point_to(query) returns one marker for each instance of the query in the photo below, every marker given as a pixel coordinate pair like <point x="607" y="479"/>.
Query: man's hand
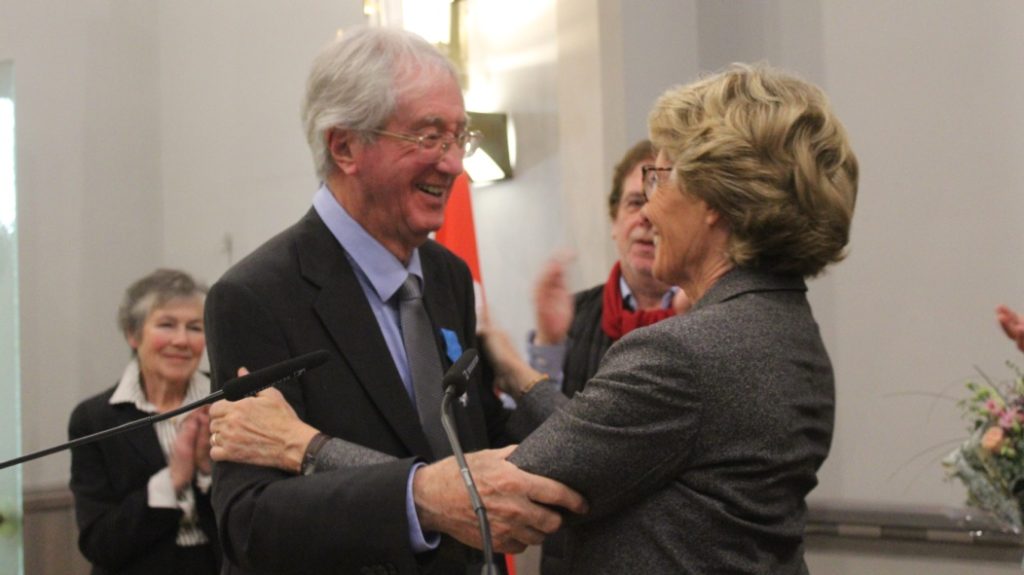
<point x="552" y="302"/>
<point x="516" y="501"/>
<point x="260" y="430"/>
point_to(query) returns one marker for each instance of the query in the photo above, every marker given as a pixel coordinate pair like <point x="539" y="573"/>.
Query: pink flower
<point x="993" y="439"/>
<point x="993" y="407"/>
<point x="1008" y="418"/>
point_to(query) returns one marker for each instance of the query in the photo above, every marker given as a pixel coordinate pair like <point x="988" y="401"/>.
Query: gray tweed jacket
<point x="698" y="439"/>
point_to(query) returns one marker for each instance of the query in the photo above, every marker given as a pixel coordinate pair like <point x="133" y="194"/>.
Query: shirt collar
<point x="384" y="271"/>
<point x="129" y="389"/>
<point x="630" y="302"/>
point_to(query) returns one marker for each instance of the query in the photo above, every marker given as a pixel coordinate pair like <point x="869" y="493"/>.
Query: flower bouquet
<point x="990" y="462"/>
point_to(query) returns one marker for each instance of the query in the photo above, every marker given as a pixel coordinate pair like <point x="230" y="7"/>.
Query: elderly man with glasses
<point x="358" y="276"/>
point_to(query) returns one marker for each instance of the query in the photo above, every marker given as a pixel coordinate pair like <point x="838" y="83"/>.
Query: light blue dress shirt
<point x="380" y="274"/>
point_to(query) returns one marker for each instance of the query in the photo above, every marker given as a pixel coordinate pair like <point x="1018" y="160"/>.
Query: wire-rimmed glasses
<point x="440" y="143"/>
<point x="652" y="178"/>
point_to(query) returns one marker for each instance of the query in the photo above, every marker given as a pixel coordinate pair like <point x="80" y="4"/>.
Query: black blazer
<point x="295" y="294"/>
<point x="118" y="531"/>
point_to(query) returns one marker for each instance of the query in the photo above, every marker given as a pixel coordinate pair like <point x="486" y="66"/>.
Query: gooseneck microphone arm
<point x="456" y="380"/>
<point x="233" y="390"/>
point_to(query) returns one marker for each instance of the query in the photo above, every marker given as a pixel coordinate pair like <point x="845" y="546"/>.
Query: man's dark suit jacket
<point x="118" y="531"/>
<point x="587" y="340"/>
<point x="698" y="439"/>
<point x="298" y="293"/>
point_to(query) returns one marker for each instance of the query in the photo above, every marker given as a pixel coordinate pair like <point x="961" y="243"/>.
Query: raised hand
<point x="552" y="301"/>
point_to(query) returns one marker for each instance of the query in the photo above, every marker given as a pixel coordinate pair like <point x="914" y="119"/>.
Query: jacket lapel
<point x="341" y="305"/>
<point x="142" y="440"/>
<point x="440" y="305"/>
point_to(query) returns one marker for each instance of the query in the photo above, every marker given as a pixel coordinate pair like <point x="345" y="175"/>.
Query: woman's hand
<point x="182" y="457"/>
<point x="512" y="374"/>
<point x="259" y="430"/>
<point x="681" y="302"/>
<point x="201" y="456"/>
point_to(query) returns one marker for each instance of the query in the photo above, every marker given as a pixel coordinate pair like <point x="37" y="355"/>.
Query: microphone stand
<point x="447" y="421"/>
<point x="142" y="422"/>
<point x="233" y="390"/>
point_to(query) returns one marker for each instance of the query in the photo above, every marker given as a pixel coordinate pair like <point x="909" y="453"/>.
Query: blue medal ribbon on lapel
<point x="452" y="347"/>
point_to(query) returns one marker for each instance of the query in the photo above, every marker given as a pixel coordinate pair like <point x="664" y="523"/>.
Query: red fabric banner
<point x="459" y="235"/>
<point x="459" y="232"/>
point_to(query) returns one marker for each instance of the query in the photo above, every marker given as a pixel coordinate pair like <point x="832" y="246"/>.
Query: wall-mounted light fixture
<point x="496" y="157"/>
<point x="442" y="22"/>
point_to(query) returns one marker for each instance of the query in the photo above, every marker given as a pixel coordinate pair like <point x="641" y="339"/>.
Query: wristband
<point x="533" y="382"/>
<point x="308" y="466"/>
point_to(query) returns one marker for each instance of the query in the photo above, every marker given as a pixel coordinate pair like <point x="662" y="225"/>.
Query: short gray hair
<point x="151" y="292"/>
<point x="356" y="80"/>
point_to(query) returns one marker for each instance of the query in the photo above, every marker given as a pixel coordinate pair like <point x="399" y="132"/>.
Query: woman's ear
<point x="343" y="146"/>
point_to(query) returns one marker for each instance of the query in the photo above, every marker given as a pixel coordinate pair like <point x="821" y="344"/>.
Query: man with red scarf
<point x="574" y="331"/>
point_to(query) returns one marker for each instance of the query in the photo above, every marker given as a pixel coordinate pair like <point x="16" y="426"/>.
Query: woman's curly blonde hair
<point x="763" y="149"/>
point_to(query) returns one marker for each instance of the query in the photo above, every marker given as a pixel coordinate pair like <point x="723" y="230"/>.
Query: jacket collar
<point x="740" y="280"/>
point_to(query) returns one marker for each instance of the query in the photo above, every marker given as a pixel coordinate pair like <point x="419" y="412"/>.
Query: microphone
<point x="233" y="390"/>
<point x="456" y="379"/>
<point x="455" y="382"/>
<point x="261" y="379"/>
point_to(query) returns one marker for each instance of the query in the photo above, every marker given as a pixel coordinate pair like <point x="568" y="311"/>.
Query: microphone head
<point x="456" y="379"/>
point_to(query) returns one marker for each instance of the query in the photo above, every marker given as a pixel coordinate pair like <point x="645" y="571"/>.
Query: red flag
<point x="459" y="235"/>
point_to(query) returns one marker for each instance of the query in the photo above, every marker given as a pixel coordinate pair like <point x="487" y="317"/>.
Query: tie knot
<point x="410" y="289"/>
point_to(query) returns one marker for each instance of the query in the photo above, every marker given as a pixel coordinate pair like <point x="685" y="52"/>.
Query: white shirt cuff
<point x="160" y="490"/>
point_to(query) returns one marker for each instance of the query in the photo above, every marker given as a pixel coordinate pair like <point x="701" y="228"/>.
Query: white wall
<point x="927" y="93"/>
<point x="514" y="61"/>
<point x="235" y="164"/>
<point x="89" y="205"/>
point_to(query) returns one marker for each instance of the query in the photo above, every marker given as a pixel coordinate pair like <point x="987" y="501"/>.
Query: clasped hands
<point x="521" y="507"/>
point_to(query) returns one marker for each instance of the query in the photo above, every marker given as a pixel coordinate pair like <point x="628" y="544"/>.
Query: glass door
<point x="10" y="385"/>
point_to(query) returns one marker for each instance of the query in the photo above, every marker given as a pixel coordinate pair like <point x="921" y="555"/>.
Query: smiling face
<point x="404" y="189"/>
<point x="689" y="236"/>
<point x="171" y="341"/>
<point x="631" y="230"/>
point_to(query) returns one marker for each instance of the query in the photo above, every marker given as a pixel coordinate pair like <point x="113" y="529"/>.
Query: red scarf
<point x="616" y="320"/>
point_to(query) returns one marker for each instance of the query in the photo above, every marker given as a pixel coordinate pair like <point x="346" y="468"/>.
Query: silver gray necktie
<point x="424" y="363"/>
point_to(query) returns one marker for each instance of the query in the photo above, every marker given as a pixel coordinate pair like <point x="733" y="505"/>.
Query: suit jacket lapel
<point x="444" y="313"/>
<point x="341" y="305"/>
<point x="437" y="299"/>
<point x="142" y="440"/>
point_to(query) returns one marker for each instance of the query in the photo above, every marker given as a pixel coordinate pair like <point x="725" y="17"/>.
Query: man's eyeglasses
<point x="652" y="177"/>
<point x="467" y="142"/>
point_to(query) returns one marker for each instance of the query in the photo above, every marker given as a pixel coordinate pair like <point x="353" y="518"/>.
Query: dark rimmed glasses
<point x="437" y="143"/>
<point x="652" y="178"/>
